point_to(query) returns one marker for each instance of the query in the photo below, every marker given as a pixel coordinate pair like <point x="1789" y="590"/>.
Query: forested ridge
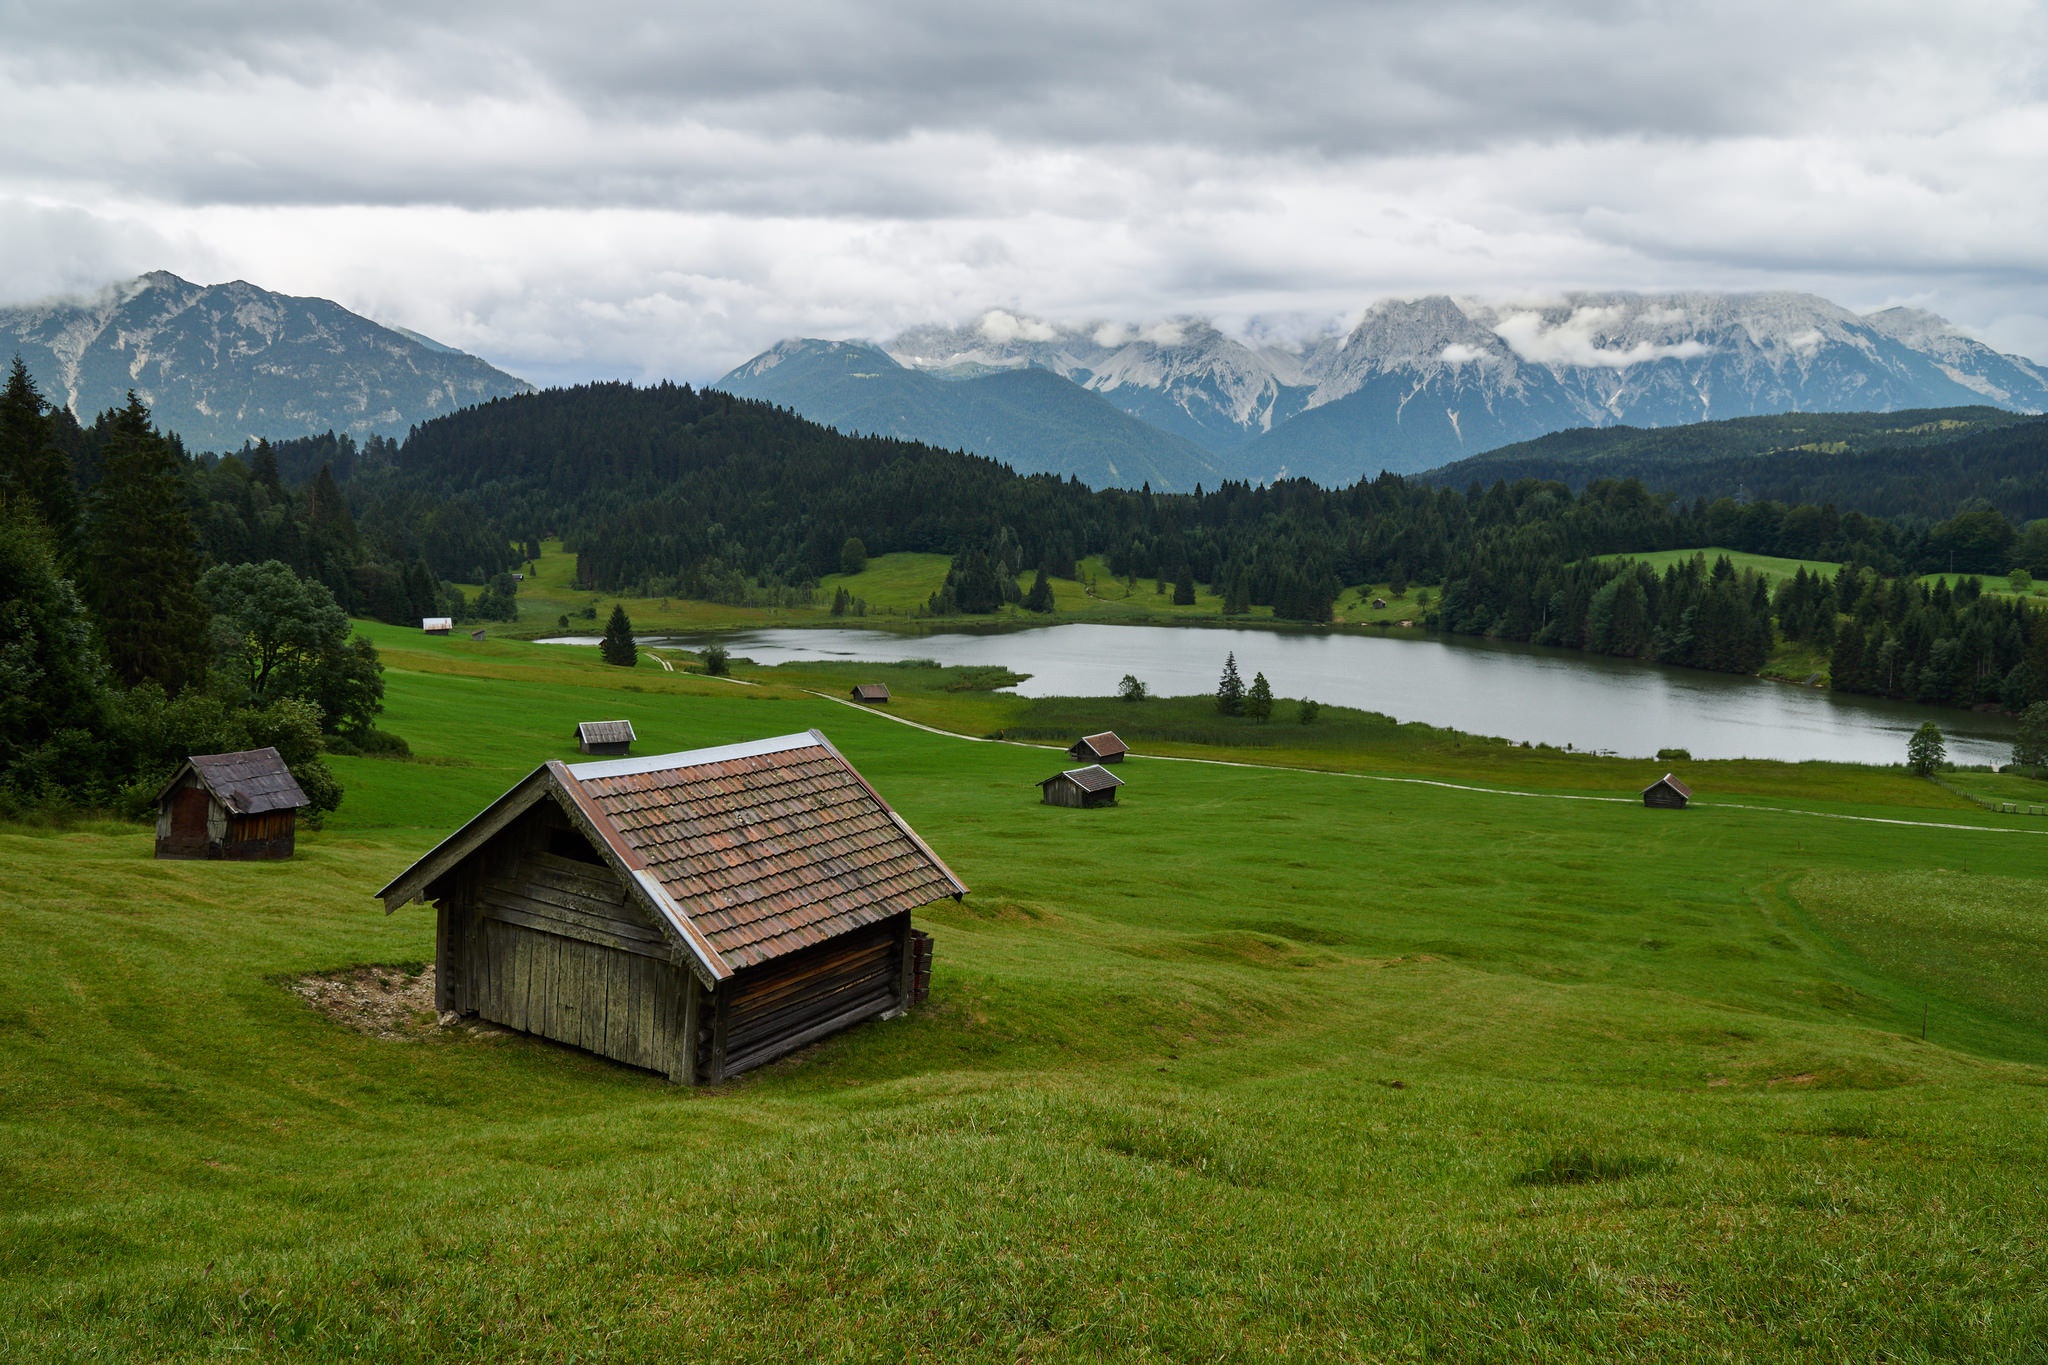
<point x="1921" y="466"/>
<point x="118" y="538"/>
<point x="669" y="491"/>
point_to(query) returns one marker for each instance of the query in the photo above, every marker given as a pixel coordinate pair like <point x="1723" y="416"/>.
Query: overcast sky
<point x="599" y="189"/>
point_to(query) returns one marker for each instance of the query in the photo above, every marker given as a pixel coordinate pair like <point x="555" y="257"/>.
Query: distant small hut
<point x="612" y="738"/>
<point x="1081" y="787"/>
<point x="240" y="806"/>
<point x="1667" y="793"/>
<point x="697" y="914"/>
<point x="1102" y="748"/>
<point x="1379" y="604"/>
<point x="874" y="694"/>
<point x="437" y="625"/>
<point x="476" y="635"/>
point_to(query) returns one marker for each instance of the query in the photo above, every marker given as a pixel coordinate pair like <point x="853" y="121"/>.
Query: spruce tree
<point x="1039" y="599"/>
<point x="618" y="647"/>
<point x="1184" y="588"/>
<point x="55" y="705"/>
<point x="32" y="465"/>
<point x="143" y="567"/>
<point x="1230" y="689"/>
<point x="1258" y="699"/>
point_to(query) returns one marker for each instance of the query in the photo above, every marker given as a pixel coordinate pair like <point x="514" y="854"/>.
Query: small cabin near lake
<point x="696" y="914"/>
<point x="1667" y="793"/>
<point x="1102" y="748"/>
<point x="1081" y="787"/>
<point x="437" y="625"/>
<point x="241" y="806"/>
<point x="612" y="738"/>
<point x="875" y="694"/>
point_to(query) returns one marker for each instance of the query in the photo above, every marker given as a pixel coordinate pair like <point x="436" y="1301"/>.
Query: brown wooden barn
<point x="697" y="914"/>
<point x="241" y="806"/>
<point x="873" y="693"/>
<point x="437" y="625"/>
<point x="1102" y="748"/>
<point x="1667" y="793"/>
<point x="612" y="738"/>
<point x="1084" y="787"/>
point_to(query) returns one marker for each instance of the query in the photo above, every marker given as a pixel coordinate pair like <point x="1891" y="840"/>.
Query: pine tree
<point x="1230" y="689"/>
<point x="1184" y="588"/>
<point x="144" y="570"/>
<point x="1258" y="699"/>
<point x="1040" y="597"/>
<point x="618" y="647"/>
<point x="54" y="709"/>
<point x="32" y="465"/>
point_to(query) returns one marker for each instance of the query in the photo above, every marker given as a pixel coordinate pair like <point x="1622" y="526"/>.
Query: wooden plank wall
<point x="551" y="945"/>
<point x="782" y="1005"/>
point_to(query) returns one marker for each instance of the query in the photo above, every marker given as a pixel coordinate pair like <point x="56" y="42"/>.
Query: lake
<point x="1519" y="692"/>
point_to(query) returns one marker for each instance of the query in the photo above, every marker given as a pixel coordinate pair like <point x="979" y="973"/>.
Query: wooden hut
<point x="1667" y="793"/>
<point x="875" y="694"/>
<point x="241" y="806"/>
<point x="612" y="738"/>
<point x="697" y="914"/>
<point x="1102" y="748"/>
<point x="1085" y="787"/>
<point x="476" y="635"/>
<point x="437" y="625"/>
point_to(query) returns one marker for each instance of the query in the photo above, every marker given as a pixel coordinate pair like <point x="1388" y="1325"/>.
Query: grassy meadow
<point x="1772" y="567"/>
<point x="894" y="589"/>
<point x="1423" y="1056"/>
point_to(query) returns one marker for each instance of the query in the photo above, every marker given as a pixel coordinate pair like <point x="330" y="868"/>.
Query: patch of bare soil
<point x="384" y="1002"/>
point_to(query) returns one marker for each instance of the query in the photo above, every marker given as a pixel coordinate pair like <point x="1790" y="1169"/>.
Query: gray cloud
<point x="612" y="188"/>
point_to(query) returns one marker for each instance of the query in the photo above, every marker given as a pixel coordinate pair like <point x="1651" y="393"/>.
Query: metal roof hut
<point x="1667" y="793"/>
<point x="1081" y="787"/>
<point x="696" y="914"/>
<point x="241" y="806"/>
<point x="613" y="738"/>
<point x="1102" y="748"/>
<point x="876" y="693"/>
<point x="437" y="625"/>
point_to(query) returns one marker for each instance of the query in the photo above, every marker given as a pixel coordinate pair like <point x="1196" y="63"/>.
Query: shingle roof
<point x="605" y="731"/>
<point x="249" y="782"/>
<point x="747" y="851"/>
<point x="1093" y="778"/>
<point x="871" y="691"/>
<point x="1105" y="744"/>
<point x="1669" y="781"/>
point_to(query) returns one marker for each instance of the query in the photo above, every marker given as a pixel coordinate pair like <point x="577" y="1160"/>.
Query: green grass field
<point x="1423" y="1057"/>
<point x="894" y="587"/>
<point x="1770" y="566"/>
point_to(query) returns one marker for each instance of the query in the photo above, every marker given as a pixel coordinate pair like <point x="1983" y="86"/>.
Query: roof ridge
<point x="690" y="758"/>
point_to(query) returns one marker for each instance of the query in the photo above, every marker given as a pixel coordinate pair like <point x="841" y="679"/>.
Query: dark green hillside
<point x="1923" y="464"/>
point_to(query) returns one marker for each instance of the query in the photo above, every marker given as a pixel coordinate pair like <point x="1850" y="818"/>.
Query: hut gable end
<point x="1667" y="793"/>
<point x="241" y="806"/>
<point x="1102" y="748"/>
<point x="771" y="869"/>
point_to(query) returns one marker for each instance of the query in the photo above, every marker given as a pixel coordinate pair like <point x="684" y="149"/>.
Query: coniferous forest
<point x="117" y="540"/>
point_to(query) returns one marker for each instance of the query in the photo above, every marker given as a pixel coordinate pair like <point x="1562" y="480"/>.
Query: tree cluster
<point x="123" y="647"/>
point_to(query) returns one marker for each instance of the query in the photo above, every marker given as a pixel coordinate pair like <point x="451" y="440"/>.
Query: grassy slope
<point x="895" y="588"/>
<point x="1772" y="567"/>
<point x="1260" y="1065"/>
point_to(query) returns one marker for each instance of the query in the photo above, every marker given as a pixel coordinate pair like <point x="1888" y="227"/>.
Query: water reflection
<point x="1517" y="691"/>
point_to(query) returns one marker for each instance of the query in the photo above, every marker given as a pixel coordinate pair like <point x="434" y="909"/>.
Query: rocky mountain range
<point x="1418" y="383"/>
<point x="228" y="363"/>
